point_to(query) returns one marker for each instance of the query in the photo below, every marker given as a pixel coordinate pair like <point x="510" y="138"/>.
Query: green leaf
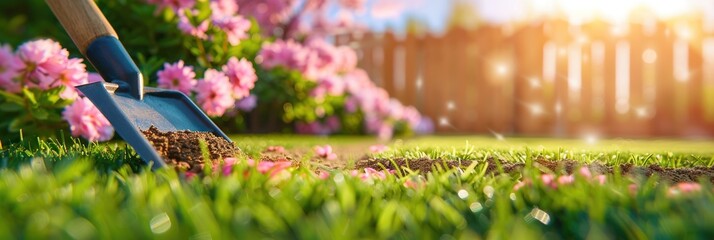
<point x="12" y="97"/>
<point x="10" y="107"/>
<point x="29" y="95"/>
<point x="40" y="113"/>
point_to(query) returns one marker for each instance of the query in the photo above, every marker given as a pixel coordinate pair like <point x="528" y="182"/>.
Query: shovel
<point x="123" y="99"/>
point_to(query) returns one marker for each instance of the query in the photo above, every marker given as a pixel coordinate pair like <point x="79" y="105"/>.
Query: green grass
<point x="51" y="189"/>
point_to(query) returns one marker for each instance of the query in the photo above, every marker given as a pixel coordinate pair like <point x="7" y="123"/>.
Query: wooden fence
<point x="551" y="79"/>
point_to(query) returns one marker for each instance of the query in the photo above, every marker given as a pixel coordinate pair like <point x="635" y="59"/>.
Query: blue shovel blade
<point x="167" y="110"/>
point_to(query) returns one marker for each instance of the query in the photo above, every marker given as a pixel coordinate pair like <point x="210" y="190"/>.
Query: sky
<point x="435" y="13"/>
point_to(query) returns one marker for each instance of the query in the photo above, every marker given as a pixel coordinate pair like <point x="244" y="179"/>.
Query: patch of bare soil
<point x="494" y="166"/>
<point x="182" y="149"/>
<point x="347" y="156"/>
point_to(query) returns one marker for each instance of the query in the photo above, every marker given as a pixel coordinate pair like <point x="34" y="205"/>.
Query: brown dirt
<point x="424" y="165"/>
<point x="182" y="149"/>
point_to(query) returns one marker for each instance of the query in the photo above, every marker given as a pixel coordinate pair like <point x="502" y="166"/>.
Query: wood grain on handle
<point x="82" y="20"/>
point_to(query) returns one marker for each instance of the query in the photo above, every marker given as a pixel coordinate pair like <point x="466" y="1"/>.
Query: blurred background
<point x="591" y="69"/>
<point x="565" y="68"/>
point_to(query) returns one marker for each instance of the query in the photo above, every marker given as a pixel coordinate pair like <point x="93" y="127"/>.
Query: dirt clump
<point x="182" y="149"/>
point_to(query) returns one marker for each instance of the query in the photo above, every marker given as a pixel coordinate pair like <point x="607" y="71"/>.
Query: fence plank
<point x="485" y="79"/>
<point x="387" y="64"/>
<point x="412" y="63"/>
<point x="530" y="110"/>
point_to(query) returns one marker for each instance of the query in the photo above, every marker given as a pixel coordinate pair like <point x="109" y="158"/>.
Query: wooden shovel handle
<point x="82" y="20"/>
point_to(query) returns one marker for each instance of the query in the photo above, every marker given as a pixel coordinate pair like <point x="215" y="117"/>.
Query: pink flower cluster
<point x="177" y="76"/>
<point x="43" y="64"/>
<point x="684" y="188"/>
<point x="270" y="14"/>
<point x="224" y="19"/>
<point x="378" y="148"/>
<point x="371" y="174"/>
<point x="217" y="91"/>
<point x="85" y="120"/>
<point x="315" y="59"/>
<point x="554" y="181"/>
<point x="379" y="110"/>
<point x="336" y="74"/>
<point x="325" y="152"/>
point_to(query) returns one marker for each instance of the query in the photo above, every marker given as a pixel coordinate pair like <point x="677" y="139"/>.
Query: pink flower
<point x="213" y="93"/>
<point x="385" y="132"/>
<point x="94" y="77"/>
<point x="396" y="109"/>
<point x="684" y="188"/>
<point x="411" y="116"/>
<point x="414" y="184"/>
<point x="288" y="54"/>
<point x="323" y="175"/>
<point x="548" y="180"/>
<point x="223" y="8"/>
<point x="10" y="66"/>
<point x="235" y="27"/>
<point x="372" y="123"/>
<point x="85" y="120"/>
<point x="351" y="104"/>
<point x="322" y="59"/>
<point x="42" y="52"/>
<point x="371" y="173"/>
<point x="332" y="85"/>
<point x="248" y="103"/>
<point x="176" y="5"/>
<point x="273" y="168"/>
<point x="72" y="75"/>
<point x="585" y="172"/>
<point x="241" y="75"/>
<point x="521" y="184"/>
<point x="176" y="76"/>
<point x="632" y="188"/>
<point x="277" y="149"/>
<point x="44" y="61"/>
<point x="268" y="167"/>
<point x="325" y="152"/>
<point x="190" y="175"/>
<point x="566" y="179"/>
<point x="196" y="30"/>
<point x="228" y="164"/>
<point x="268" y="13"/>
<point x="374" y="101"/>
<point x="357" y="81"/>
<point x="378" y="148"/>
<point x="601" y="179"/>
<point x="352" y="4"/>
<point x="347" y="61"/>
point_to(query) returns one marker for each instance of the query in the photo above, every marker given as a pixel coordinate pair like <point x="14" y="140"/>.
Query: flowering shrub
<point x="313" y="86"/>
<point x="250" y="65"/>
<point x="37" y="87"/>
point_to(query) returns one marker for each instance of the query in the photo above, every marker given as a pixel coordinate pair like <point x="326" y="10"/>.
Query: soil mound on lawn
<point x="495" y="166"/>
<point x="182" y="149"/>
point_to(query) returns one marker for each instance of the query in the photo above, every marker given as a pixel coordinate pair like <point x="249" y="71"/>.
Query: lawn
<point x="55" y="189"/>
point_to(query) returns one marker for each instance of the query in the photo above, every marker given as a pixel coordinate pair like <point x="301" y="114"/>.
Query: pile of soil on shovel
<point x="495" y="166"/>
<point x="182" y="149"/>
